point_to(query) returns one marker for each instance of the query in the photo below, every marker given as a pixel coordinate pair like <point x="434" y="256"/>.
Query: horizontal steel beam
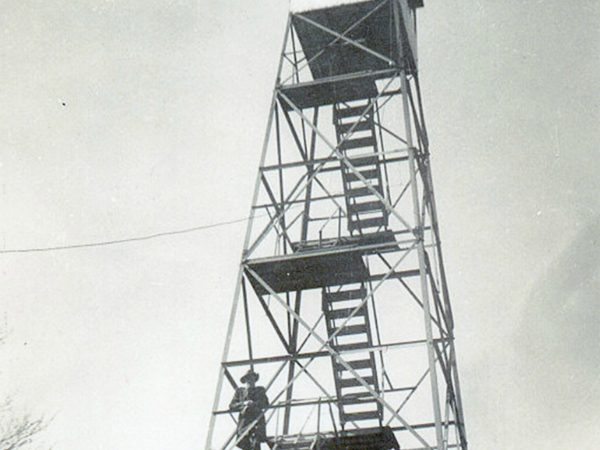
<point x="308" y="355"/>
<point x="378" y="74"/>
<point x="351" y="248"/>
<point x="334" y="159"/>
<point x="312" y="402"/>
<point x="419" y="426"/>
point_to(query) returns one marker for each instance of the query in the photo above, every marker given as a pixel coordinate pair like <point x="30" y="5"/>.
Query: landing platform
<point x="331" y="90"/>
<point x="318" y="264"/>
<point x="366" y="439"/>
<point x="301" y="271"/>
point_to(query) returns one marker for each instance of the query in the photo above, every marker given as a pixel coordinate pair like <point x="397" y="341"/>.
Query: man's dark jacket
<point x="249" y="413"/>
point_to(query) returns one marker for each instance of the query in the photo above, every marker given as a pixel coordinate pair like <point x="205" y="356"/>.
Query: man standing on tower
<point x="250" y="401"/>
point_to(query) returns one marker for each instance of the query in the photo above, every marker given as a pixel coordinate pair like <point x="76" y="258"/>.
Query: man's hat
<point x="251" y="374"/>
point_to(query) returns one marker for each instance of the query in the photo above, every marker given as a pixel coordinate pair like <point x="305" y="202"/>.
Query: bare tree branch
<point x="18" y="432"/>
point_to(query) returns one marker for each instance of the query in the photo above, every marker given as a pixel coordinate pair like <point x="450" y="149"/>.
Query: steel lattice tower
<point x="341" y="302"/>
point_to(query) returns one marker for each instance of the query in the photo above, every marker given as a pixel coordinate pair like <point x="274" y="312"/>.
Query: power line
<point x="123" y="241"/>
<point x="130" y="239"/>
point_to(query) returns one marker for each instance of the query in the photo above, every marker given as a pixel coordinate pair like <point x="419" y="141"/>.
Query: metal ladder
<point x="355" y="402"/>
<point x="365" y="210"/>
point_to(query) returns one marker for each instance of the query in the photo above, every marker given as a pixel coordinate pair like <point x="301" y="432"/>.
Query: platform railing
<point x="339" y="212"/>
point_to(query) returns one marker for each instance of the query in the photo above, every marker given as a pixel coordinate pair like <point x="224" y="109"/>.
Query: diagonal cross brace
<point x="338" y="37"/>
<point x="344" y="159"/>
<point x="325" y="344"/>
<point x="311" y="332"/>
<point x="297" y="190"/>
<point x="343" y="37"/>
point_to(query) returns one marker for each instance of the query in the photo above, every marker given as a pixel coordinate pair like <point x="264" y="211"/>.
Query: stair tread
<point x="345" y="295"/>
<point x="353" y="382"/>
<point x="356" y="399"/>
<point x="363" y="125"/>
<point x="362" y="161"/>
<point x="351" y="111"/>
<point x="352" y="346"/>
<point x="357" y="364"/>
<point x="363" y="415"/>
<point x="371" y="174"/>
<point x="368" y="223"/>
<point x="358" y="143"/>
<point x="343" y="313"/>
<point x="351" y="329"/>
<point x="363" y="191"/>
<point x="365" y="207"/>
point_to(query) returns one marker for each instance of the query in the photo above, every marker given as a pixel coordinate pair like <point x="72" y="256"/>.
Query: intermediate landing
<point x="319" y="264"/>
<point x="365" y="439"/>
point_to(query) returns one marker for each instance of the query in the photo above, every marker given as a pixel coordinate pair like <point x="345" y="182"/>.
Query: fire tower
<point x="341" y="303"/>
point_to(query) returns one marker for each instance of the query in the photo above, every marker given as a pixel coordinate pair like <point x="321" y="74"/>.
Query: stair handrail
<point x="312" y="410"/>
<point x="337" y="211"/>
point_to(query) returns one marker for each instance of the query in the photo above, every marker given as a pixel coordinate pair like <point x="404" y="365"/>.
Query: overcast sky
<point x="129" y="117"/>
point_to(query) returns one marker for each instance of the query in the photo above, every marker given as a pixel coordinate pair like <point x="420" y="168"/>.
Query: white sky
<point x="165" y="108"/>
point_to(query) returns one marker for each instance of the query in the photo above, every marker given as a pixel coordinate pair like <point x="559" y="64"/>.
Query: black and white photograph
<point x="299" y="225"/>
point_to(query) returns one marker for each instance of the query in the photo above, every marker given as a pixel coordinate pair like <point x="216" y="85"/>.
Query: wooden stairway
<point x="355" y="402"/>
<point x="365" y="210"/>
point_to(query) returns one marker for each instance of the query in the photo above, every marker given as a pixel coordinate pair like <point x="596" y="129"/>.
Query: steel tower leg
<point x="236" y="295"/>
<point x="418" y="232"/>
